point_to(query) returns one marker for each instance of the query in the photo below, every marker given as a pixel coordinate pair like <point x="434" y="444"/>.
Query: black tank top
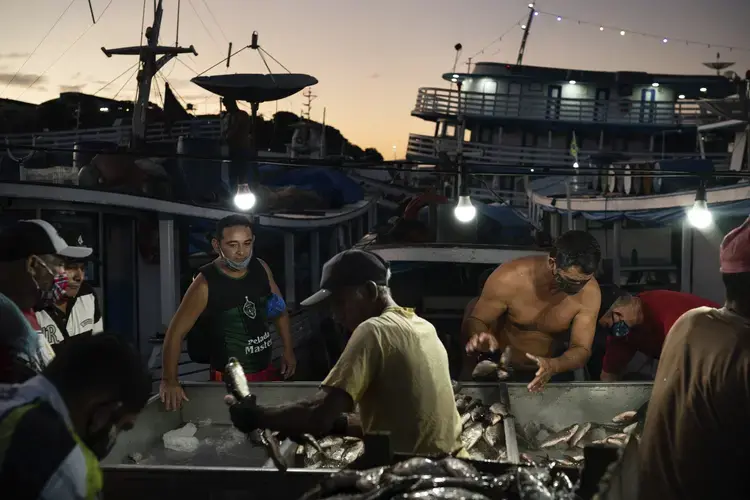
<point x="235" y="317"/>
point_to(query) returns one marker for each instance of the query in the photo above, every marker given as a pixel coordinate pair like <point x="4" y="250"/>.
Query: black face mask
<point x="567" y="286"/>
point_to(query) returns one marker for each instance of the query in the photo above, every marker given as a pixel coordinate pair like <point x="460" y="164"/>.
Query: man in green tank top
<point x="231" y="298"/>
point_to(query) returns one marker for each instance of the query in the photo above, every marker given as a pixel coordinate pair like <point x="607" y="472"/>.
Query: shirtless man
<point x="542" y="298"/>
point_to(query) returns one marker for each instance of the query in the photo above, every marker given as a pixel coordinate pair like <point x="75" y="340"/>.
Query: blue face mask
<point x="237" y="266"/>
<point x="620" y="329"/>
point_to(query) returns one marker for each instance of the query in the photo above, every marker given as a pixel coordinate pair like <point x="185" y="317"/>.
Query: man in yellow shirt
<point x="394" y="367"/>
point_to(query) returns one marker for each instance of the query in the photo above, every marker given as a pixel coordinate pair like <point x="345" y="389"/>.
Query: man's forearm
<point x="572" y="359"/>
<point x="170" y="354"/>
<point x="301" y="417"/>
<point x="284" y="329"/>
<point x="473" y="326"/>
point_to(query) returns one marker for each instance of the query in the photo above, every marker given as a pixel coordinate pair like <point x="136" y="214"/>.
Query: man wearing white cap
<point x="694" y="443"/>
<point x="32" y="275"/>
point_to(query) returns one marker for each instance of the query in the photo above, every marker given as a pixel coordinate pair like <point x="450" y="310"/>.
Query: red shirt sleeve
<point x="617" y="355"/>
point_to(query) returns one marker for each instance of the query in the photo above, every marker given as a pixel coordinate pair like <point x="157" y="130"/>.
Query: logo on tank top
<point x="249" y="308"/>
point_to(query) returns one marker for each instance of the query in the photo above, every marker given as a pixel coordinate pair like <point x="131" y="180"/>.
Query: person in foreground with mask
<point x="77" y="311"/>
<point x="31" y="276"/>
<point x="394" y="367"/>
<point x="694" y="442"/>
<point x="640" y="323"/>
<point x="55" y="427"/>
<point x="233" y="296"/>
<point x="542" y="298"/>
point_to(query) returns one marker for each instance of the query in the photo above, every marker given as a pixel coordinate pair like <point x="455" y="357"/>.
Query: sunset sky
<point x="369" y="56"/>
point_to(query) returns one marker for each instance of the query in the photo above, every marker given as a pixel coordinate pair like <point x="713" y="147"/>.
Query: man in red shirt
<point x="640" y="323"/>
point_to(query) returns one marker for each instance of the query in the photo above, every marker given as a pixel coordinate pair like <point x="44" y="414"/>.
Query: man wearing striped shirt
<point x="77" y="311"/>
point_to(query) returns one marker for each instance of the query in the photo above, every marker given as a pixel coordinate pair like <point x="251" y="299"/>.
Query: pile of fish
<point x="331" y="452"/>
<point x="542" y="446"/>
<point x="483" y="434"/>
<point x="422" y="478"/>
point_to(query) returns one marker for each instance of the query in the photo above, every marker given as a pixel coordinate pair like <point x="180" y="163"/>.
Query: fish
<point x="478" y="413"/>
<point x="311" y="441"/>
<point x="575" y="456"/>
<point x="485" y="370"/>
<point x="462" y="401"/>
<point x="502" y="374"/>
<point x="458" y="468"/>
<point x="630" y="428"/>
<point x="417" y="466"/>
<point x="580" y="433"/>
<point x="329" y="441"/>
<point x="445" y="492"/>
<point x="483" y="451"/>
<point x="336" y="453"/>
<point x="354" y="451"/>
<point x="560" y="437"/>
<point x="494" y="435"/>
<point x="456" y="386"/>
<point x="370" y="478"/>
<point x="499" y="409"/>
<point x="473" y="404"/>
<point x="623" y="417"/>
<point x="492" y="418"/>
<point x="471" y="434"/>
<point x="465" y="419"/>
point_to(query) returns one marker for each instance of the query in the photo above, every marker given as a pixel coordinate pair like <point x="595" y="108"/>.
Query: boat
<point x="563" y="148"/>
<point x="152" y="230"/>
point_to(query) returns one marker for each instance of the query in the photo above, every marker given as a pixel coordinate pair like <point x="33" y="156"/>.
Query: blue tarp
<point x="503" y="214"/>
<point x="662" y="215"/>
<point x="330" y="184"/>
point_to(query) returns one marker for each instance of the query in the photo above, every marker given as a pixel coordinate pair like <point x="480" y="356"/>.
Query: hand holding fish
<point x="244" y="413"/>
<point x="543" y="374"/>
<point x="482" y="342"/>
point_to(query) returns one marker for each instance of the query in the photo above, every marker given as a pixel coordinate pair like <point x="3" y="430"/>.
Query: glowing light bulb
<point x="244" y="199"/>
<point x="699" y="215"/>
<point x="465" y="211"/>
<point x="575" y="164"/>
<point x="622" y="33"/>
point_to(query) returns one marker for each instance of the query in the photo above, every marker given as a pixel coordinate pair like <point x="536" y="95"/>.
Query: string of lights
<point x="606" y="28"/>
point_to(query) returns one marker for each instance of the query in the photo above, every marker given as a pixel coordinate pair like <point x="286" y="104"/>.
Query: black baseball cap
<point x="349" y="268"/>
<point x="36" y="237"/>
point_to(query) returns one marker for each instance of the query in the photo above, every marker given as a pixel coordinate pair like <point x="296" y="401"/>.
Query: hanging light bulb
<point x="465" y="210"/>
<point x="575" y="164"/>
<point x="244" y="199"/>
<point x="699" y="215"/>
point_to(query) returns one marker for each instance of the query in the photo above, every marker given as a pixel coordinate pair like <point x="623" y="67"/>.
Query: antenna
<point x="149" y="66"/>
<point x="718" y="65"/>
<point x="307" y="106"/>
<point x="526" y="30"/>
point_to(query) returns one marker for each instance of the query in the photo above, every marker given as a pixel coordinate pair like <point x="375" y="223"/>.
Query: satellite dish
<point x="255" y="87"/>
<point x="718" y="65"/>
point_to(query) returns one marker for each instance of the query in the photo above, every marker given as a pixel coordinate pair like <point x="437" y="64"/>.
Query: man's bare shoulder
<point x="517" y="269"/>
<point x="591" y="295"/>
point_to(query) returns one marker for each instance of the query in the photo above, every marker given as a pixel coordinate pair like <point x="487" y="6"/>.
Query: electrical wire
<point x="208" y="32"/>
<point x="116" y="78"/>
<point x="37" y="47"/>
<point x="223" y="60"/>
<point x="177" y="58"/>
<point x="624" y="31"/>
<point x="264" y="51"/>
<point x="498" y="39"/>
<point x="143" y="22"/>
<point x="59" y="58"/>
<point x="127" y="80"/>
<point x="210" y="13"/>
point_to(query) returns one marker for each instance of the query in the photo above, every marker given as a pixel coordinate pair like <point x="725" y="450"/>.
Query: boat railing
<point x="117" y="134"/>
<point x="448" y="103"/>
<point x="428" y="148"/>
